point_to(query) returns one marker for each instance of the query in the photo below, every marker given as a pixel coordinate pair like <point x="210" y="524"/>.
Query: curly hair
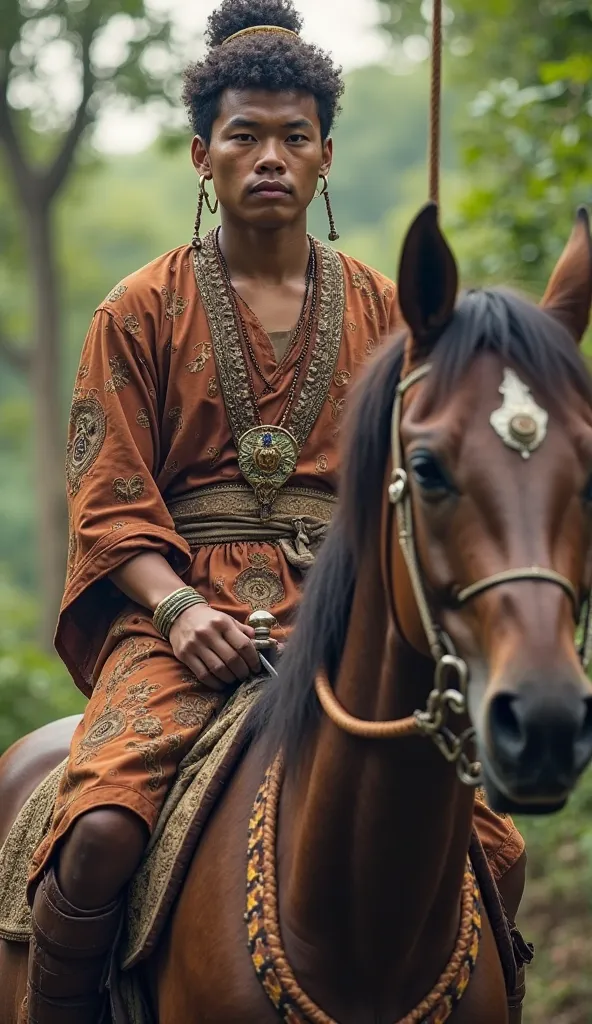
<point x="272" y="61"/>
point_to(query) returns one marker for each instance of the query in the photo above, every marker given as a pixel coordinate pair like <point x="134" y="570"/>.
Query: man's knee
<point x="100" y="856"/>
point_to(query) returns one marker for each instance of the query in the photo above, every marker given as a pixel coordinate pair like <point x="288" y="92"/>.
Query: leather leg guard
<point x="69" y="957"/>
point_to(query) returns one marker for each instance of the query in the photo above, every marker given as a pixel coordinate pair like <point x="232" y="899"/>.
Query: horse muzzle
<point x="535" y="741"/>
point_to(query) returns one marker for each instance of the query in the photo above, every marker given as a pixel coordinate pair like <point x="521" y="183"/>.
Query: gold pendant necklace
<point x="268" y="454"/>
<point x="267" y="457"/>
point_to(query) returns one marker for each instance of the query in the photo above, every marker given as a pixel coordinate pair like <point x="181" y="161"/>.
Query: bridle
<point x="451" y="678"/>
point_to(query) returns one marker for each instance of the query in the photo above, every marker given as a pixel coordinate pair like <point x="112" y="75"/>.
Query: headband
<point x="260" y="28"/>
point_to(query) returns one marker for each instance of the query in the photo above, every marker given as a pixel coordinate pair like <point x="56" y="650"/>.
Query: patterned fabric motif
<point x="87" y="435"/>
<point x="146" y="711"/>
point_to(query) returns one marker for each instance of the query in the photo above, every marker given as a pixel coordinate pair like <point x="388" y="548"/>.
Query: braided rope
<point x="436" y="103"/>
<point x="358" y="726"/>
<point x="269" y="957"/>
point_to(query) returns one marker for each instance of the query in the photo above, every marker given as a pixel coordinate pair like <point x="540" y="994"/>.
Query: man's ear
<point x="327" y="157"/>
<point x="569" y="292"/>
<point x="200" y="157"/>
<point x="428" y="279"/>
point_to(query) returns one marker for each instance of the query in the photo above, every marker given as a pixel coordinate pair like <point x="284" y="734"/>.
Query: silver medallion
<point x="520" y="422"/>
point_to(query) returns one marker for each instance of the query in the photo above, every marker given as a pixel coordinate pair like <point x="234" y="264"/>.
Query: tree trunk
<point x="48" y="435"/>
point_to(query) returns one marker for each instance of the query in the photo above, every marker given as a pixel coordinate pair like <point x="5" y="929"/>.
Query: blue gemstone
<point x="267" y="440"/>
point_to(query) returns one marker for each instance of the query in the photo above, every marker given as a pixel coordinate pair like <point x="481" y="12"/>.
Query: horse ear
<point x="428" y="278"/>
<point x="569" y="292"/>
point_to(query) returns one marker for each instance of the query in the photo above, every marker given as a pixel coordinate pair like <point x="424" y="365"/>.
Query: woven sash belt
<point x="229" y="514"/>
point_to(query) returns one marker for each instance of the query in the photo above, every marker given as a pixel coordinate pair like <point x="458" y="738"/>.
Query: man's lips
<point x="271" y="188"/>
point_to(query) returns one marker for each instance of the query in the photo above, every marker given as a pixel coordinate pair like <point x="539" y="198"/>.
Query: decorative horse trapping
<point x="519" y="421"/>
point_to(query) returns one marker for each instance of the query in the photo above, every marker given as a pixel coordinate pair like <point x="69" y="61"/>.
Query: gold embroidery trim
<point x="239" y="500"/>
<point x="259" y="586"/>
<point x="128" y="491"/>
<point x="228" y="352"/>
<point x="88" y="429"/>
<point x="228" y="513"/>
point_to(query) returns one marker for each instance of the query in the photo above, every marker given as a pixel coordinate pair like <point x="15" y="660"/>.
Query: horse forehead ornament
<point x="519" y="421"/>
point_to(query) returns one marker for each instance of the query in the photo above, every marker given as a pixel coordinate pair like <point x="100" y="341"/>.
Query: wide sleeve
<point x="115" y="507"/>
<point x="393" y="310"/>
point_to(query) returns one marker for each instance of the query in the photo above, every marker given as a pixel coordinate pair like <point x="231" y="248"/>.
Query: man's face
<point x="265" y="156"/>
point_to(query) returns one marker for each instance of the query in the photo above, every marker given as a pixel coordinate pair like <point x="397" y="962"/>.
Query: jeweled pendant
<point x="267" y="457"/>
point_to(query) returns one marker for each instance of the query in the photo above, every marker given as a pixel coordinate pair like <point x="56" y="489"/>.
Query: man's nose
<point x="271" y="159"/>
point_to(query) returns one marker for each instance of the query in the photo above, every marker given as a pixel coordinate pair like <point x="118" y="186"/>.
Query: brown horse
<point x="488" y="553"/>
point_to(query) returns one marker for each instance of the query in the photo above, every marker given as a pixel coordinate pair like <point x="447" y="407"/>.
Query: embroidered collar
<point x="228" y="351"/>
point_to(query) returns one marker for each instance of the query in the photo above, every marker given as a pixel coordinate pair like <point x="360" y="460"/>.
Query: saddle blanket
<point x="200" y="780"/>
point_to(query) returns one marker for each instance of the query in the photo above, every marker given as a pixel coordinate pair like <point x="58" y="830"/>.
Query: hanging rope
<point x="436" y="103"/>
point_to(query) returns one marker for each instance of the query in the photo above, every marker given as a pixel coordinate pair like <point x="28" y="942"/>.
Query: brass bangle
<point x="169" y="610"/>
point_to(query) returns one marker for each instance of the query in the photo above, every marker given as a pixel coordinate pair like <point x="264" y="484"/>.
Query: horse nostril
<point x="505" y="727"/>
<point x="583" y="745"/>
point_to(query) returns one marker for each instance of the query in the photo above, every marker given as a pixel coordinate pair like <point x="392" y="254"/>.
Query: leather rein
<point x="451" y="673"/>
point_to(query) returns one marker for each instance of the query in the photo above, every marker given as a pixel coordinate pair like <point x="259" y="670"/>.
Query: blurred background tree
<point x="106" y="51"/>
<point x="516" y="164"/>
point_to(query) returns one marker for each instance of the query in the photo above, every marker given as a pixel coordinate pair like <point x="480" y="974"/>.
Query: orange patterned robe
<point x="161" y="402"/>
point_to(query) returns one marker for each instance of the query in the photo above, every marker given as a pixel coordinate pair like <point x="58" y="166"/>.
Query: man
<point x="202" y="468"/>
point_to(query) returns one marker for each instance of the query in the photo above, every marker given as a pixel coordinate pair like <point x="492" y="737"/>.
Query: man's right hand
<point x="217" y="649"/>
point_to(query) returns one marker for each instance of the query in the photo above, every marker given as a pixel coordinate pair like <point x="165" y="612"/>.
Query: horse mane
<point x="495" y="320"/>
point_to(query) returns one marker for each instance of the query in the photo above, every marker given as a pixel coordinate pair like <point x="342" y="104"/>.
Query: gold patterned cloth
<point x="161" y="401"/>
<point x="200" y="780"/>
<point x="145" y="715"/>
<point x="299" y="522"/>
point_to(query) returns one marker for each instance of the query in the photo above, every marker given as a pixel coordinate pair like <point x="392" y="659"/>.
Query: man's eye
<point x="297" y="138"/>
<point x="243" y="138"/>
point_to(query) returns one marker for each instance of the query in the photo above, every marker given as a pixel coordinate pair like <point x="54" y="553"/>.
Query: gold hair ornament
<point x="259" y="28"/>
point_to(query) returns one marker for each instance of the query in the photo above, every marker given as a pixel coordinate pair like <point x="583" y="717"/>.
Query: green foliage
<point x="34" y="687"/>
<point x="528" y="134"/>
<point x="34" y="690"/>
<point x="110" y="53"/>
<point x="382" y="134"/>
<point x="557" y="910"/>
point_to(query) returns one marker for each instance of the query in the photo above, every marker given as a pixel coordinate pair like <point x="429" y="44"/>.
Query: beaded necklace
<point x="303" y="322"/>
<point x="311" y="283"/>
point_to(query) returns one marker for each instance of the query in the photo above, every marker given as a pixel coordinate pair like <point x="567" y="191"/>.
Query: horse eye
<point x="587" y="492"/>
<point x="429" y="474"/>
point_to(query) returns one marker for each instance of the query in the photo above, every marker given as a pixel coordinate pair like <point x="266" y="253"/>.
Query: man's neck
<point x="267" y="256"/>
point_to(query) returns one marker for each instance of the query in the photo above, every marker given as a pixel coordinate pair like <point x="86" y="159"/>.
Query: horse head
<point x="492" y="487"/>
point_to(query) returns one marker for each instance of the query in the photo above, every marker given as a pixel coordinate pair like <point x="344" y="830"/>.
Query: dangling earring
<point x="201" y="196"/>
<point x="214" y="208"/>
<point x="333" y="234"/>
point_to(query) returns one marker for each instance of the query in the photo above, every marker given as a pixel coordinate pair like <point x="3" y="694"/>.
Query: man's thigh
<point x="145" y="713"/>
